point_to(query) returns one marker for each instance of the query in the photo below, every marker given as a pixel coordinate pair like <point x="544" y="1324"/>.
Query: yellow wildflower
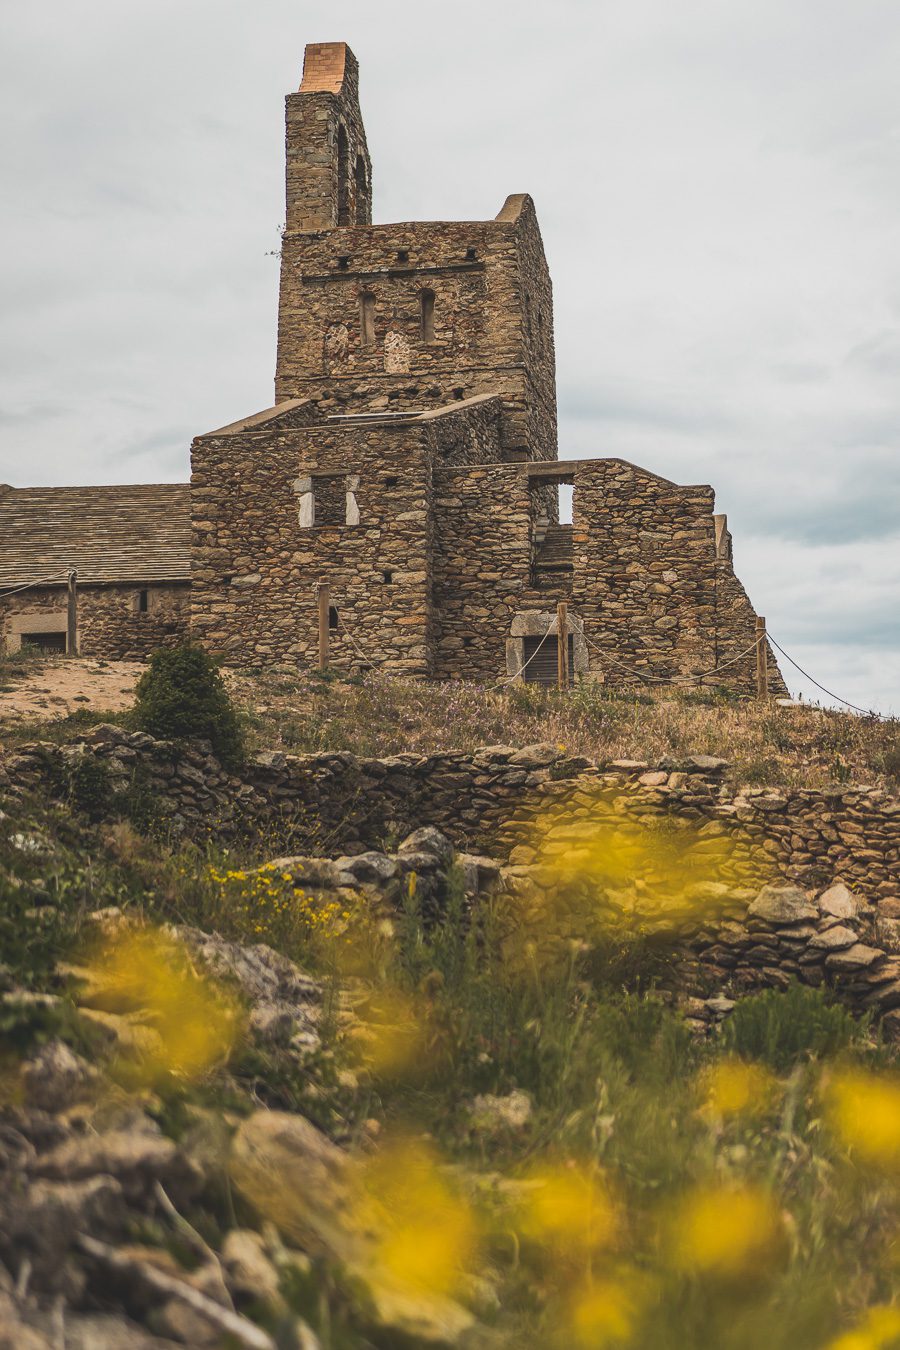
<point x="568" y="1207"/>
<point x="734" y="1088"/>
<point x="864" y="1111"/>
<point x="879" y="1330"/>
<point x="732" y="1233"/>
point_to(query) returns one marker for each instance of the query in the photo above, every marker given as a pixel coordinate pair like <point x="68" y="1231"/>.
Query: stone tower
<point x="391" y="318"/>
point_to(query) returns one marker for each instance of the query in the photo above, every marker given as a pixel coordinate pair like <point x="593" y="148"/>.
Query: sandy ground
<point x="57" y="687"/>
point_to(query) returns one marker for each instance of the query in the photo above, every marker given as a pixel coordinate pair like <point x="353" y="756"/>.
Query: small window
<point x="226" y="581"/>
<point x="332" y="617"/>
<point x="143" y="602"/>
<point x="426" y="303"/>
<point x="367" y="319"/>
<point x="388" y="578"/>
<point x="471" y="254"/>
<point x="343" y="177"/>
<point x="45" y="642"/>
<point x="403" y="255"/>
<point x="390" y="482"/>
<point x="459" y="393"/>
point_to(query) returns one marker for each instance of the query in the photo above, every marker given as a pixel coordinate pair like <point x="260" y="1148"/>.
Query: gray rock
<point x="372" y="868"/>
<point x="136" y="1161"/>
<point x="41" y="1221"/>
<point x="249" y="1273"/>
<point x="537" y="756"/>
<point x="782" y="904"/>
<point x="857" y="957"/>
<point x="887" y="932"/>
<point x="272" y="1023"/>
<point x="428" y="840"/>
<point x="708" y="763"/>
<point x="55" y="1078"/>
<point x="833" y="939"/>
<point x="839" y="902"/>
<point x="108" y="1331"/>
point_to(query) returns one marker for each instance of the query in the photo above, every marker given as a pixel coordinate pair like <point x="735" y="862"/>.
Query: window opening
<point x="566" y="492"/>
<point x="362" y="191"/>
<point x="143" y="602"/>
<point x="343" y="176"/>
<point x="332" y="617"/>
<point x="45" y="642"/>
<point x="540" y="663"/>
<point x="471" y="254"/>
<point x="388" y="578"/>
<point x="367" y="319"/>
<point x="390" y="482"/>
<point x="426" y="303"/>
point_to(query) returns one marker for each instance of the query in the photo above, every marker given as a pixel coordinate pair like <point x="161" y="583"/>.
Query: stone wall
<point x="110" y="621"/>
<point x="806" y="884"/>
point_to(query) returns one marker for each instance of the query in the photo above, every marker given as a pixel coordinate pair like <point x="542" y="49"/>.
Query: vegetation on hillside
<point x="537" y="1137"/>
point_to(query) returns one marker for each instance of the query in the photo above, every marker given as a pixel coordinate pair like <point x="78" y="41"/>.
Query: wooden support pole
<point x="762" y="659"/>
<point x="562" y="644"/>
<point x="72" y="615"/>
<point x="324" y="597"/>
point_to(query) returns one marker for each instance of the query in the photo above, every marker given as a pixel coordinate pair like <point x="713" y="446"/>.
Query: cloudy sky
<point x="718" y="186"/>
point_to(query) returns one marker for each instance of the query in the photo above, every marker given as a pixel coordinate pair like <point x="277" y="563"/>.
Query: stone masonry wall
<point x="824" y="903"/>
<point x="110" y="624"/>
<point x="493" y="324"/>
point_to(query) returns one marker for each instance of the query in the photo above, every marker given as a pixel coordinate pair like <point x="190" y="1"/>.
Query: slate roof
<point x="137" y="533"/>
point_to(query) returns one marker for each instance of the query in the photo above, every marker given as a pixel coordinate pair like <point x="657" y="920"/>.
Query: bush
<point x="782" y="1028"/>
<point x="182" y="695"/>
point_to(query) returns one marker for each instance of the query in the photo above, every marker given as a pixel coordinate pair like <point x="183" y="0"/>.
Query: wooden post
<point x="562" y="644"/>
<point x="324" y="597"/>
<point x="72" y="615"/>
<point x="762" y="659"/>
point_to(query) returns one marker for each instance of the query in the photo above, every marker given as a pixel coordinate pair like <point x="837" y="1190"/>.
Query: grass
<point x="768" y="745"/>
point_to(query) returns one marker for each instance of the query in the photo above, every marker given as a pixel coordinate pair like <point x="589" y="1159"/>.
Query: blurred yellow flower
<point x="425" y="1234"/>
<point x="734" y="1088"/>
<point x="391" y="1033"/>
<point x="864" y="1111"/>
<point x="602" y="1313"/>
<point x="567" y="1207"/>
<point x="144" y="971"/>
<point x="879" y="1330"/>
<point x="733" y="1233"/>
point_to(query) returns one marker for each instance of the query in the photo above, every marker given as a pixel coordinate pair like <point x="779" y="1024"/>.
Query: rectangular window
<point x="541" y="667"/>
<point x="367" y="319"/>
<point x="143" y="603"/>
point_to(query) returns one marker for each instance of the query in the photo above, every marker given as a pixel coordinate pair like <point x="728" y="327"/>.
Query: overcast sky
<point x="718" y="185"/>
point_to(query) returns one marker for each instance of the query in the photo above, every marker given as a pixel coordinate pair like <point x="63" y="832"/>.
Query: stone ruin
<point x="410" y="464"/>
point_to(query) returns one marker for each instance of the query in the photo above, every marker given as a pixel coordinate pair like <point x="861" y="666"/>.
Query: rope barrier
<point x="346" y="631"/>
<point x="866" y="712"/>
<point x="41" y="581"/>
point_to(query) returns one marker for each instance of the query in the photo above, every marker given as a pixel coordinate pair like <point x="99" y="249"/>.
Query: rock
<point x="272" y="1023"/>
<point x="832" y="939"/>
<point x="55" y="1078"/>
<point x="655" y="778"/>
<point x="479" y="873"/>
<point x="536" y="756"/>
<point x="107" y="1331"/>
<point x="490" y="1114"/>
<point x="295" y="1176"/>
<point x="41" y="1221"/>
<point x="629" y="765"/>
<point x="782" y="904"/>
<point x="374" y="868"/>
<point x="708" y="763"/>
<point x="857" y="957"/>
<point x="887" y="932"/>
<point x="136" y="1161"/>
<point x="15" y="1334"/>
<point x="276" y="988"/>
<point x="429" y="840"/>
<point x="249" y="1273"/>
<point x="839" y="902"/>
<point x="720" y="1005"/>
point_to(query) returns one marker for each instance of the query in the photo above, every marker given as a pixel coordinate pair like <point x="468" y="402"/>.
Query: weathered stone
<point x="857" y="957"/>
<point x="779" y="904"/>
<point x="55" y="1077"/>
<point x="832" y="939"/>
<point x="839" y="902"/>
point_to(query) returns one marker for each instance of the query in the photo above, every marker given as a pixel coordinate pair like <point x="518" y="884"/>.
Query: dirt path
<point x="57" y="687"/>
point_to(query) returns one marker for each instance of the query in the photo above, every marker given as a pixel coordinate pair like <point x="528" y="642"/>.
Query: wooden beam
<point x="324" y="597"/>
<point x="72" y="615"/>
<point x="562" y="644"/>
<point x="762" y="659"/>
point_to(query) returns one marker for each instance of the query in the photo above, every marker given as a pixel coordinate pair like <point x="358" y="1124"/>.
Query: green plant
<point x="182" y="695"/>
<point x="783" y="1028"/>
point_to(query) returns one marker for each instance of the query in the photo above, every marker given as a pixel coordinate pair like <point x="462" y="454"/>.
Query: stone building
<point x="410" y="461"/>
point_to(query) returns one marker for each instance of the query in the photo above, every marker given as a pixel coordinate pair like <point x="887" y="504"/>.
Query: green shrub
<point x="182" y="695"/>
<point x="782" y="1028"/>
